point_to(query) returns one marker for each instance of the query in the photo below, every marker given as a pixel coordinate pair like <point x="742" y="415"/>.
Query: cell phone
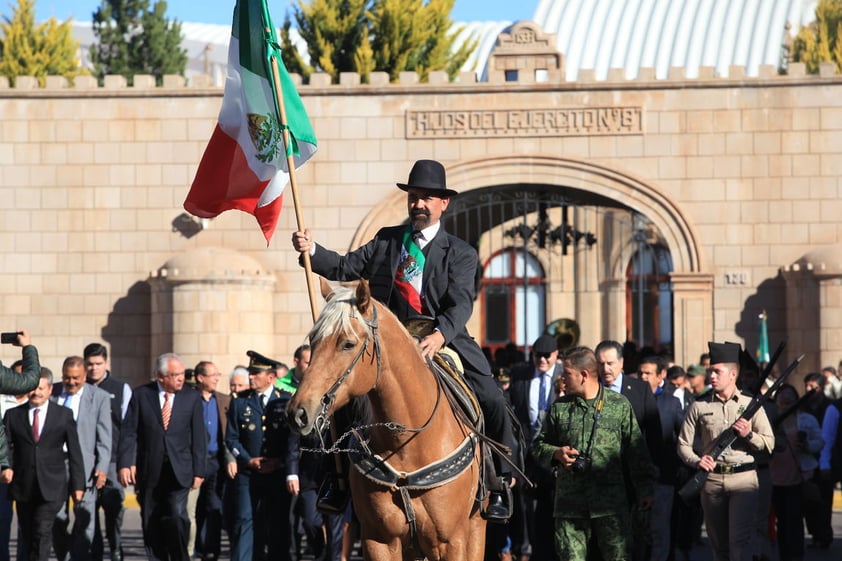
<point x="9" y="338"/>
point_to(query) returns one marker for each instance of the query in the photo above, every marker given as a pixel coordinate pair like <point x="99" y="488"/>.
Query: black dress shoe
<point x="332" y="499"/>
<point x="498" y="509"/>
<point x="117" y="555"/>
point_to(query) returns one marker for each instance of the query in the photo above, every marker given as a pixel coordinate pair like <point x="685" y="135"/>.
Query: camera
<point x="10" y="338"/>
<point x="581" y="464"/>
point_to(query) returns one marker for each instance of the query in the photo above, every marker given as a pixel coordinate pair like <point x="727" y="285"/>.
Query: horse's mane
<point x="336" y="316"/>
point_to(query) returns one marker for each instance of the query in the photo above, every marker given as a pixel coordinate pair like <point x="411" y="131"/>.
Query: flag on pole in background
<point x="244" y="166"/>
<point x="762" y="354"/>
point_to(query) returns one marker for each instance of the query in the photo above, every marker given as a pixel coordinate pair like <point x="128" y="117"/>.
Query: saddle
<point x="447" y="367"/>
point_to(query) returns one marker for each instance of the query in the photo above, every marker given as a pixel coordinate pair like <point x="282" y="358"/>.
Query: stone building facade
<point x="734" y="183"/>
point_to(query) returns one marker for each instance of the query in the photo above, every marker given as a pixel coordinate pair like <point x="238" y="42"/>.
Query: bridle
<point x="323" y="419"/>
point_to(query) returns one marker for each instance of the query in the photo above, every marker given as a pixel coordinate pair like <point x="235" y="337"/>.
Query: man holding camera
<point x="14" y="383"/>
<point x="589" y="436"/>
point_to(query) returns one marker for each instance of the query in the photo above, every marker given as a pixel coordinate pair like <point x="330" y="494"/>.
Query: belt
<point x="733" y="468"/>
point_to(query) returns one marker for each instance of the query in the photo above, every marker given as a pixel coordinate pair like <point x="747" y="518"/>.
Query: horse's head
<point x="344" y="358"/>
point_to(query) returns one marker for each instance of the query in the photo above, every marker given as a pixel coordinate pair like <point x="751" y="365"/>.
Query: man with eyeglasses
<point x="209" y="501"/>
<point x="162" y="452"/>
<point x="531" y="393"/>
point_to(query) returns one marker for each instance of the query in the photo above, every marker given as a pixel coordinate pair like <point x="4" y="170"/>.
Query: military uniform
<point x="729" y="497"/>
<point x="595" y="502"/>
<point x="255" y="430"/>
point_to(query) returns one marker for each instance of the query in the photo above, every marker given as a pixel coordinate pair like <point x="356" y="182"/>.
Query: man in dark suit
<point x="653" y="371"/>
<point x="92" y="412"/>
<point x="209" y="507"/>
<point x="419" y="269"/>
<point x="305" y="471"/>
<point x="531" y="393"/>
<point x="258" y="435"/>
<point x="163" y="450"/>
<point x="609" y="356"/>
<point x="110" y="496"/>
<point x="38" y="435"/>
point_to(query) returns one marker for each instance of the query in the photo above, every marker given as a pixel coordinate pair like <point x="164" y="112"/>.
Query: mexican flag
<point x="245" y="165"/>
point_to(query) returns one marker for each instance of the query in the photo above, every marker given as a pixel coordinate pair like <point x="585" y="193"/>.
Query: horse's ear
<point x="363" y="296"/>
<point x="325" y="288"/>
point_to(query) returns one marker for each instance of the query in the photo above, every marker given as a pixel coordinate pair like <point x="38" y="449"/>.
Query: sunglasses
<point x="543" y="355"/>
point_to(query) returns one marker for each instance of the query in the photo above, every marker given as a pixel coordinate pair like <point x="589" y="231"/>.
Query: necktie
<point x="67" y="401"/>
<point x="166" y="410"/>
<point x="542" y="394"/>
<point x="263" y="401"/>
<point x="36" y="425"/>
<point x="410" y="271"/>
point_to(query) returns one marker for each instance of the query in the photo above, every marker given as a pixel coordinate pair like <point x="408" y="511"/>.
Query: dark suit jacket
<point x="645" y="409"/>
<point x="448" y="282"/>
<point x="143" y="442"/>
<point x="308" y="466"/>
<point x="519" y="395"/>
<point x="39" y="466"/>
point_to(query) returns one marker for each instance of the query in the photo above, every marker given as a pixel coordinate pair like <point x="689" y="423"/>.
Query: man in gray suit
<point x="92" y="412"/>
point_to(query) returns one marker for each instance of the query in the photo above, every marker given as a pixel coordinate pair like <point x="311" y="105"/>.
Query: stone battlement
<point x="351" y="81"/>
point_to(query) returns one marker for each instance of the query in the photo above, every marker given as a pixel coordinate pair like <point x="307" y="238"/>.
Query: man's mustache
<point x="417" y="213"/>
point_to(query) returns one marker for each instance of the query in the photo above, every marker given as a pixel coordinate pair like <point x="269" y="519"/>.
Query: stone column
<point x="212" y="304"/>
<point x="692" y="315"/>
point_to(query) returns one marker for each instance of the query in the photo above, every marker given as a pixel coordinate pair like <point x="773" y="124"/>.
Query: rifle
<point x="692" y="488"/>
<point x="793" y="408"/>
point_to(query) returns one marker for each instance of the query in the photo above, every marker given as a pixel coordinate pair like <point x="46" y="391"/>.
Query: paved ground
<point x="133" y="542"/>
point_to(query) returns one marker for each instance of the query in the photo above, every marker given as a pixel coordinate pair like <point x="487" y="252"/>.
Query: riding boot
<point x="333" y="495"/>
<point x="499" y="508"/>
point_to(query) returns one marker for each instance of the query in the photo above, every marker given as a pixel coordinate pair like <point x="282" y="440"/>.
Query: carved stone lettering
<point x="590" y="121"/>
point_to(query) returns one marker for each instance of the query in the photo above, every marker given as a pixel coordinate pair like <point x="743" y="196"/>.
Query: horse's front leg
<point x="374" y="550"/>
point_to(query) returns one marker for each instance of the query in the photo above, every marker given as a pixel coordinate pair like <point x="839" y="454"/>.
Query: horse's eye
<point x="348" y="346"/>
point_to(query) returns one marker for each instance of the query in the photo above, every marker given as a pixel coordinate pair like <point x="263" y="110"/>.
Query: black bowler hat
<point x="428" y="175"/>
<point x="724" y="352"/>
<point x="260" y="363"/>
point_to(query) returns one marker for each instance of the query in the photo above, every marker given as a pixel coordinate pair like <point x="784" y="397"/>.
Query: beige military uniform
<point x="729" y="498"/>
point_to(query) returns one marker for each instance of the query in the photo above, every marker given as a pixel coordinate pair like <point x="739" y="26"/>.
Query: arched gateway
<point x="581" y="232"/>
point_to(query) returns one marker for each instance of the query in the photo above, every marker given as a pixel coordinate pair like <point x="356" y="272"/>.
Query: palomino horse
<point x="414" y="479"/>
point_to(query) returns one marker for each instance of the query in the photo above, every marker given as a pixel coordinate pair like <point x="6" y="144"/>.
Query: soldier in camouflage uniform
<point x="590" y="496"/>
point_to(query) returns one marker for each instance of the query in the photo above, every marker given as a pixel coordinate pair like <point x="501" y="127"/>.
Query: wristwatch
<point x="750" y="435"/>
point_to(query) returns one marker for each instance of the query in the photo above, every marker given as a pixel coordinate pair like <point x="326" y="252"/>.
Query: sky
<point x="219" y="11"/>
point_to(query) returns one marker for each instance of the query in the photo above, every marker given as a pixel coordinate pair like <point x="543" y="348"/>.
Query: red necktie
<point x="36" y="425"/>
<point x="166" y="410"/>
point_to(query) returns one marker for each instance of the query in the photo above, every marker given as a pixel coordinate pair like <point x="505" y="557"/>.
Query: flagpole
<point x="293" y="183"/>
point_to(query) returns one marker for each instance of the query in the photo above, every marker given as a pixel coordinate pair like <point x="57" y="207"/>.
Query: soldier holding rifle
<point x="730" y="494"/>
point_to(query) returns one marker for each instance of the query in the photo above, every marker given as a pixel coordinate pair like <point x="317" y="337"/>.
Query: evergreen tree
<point x="334" y="31"/>
<point x="44" y="50"/>
<point x="821" y="41"/>
<point x="384" y="35"/>
<point x="136" y="40"/>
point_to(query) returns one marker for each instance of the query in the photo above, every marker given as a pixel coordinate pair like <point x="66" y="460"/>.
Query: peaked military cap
<point x="724" y="352"/>
<point x="260" y="363"/>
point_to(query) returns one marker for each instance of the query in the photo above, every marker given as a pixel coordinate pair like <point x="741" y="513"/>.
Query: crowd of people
<point x="607" y="437"/>
<point x="768" y="495"/>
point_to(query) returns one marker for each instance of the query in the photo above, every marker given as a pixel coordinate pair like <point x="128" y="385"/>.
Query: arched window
<point x="649" y="297"/>
<point x="513" y="299"/>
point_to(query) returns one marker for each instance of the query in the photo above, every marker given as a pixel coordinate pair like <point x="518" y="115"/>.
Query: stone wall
<point x="742" y="176"/>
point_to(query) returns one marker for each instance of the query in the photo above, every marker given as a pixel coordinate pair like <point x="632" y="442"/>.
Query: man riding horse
<point x="419" y="269"/>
